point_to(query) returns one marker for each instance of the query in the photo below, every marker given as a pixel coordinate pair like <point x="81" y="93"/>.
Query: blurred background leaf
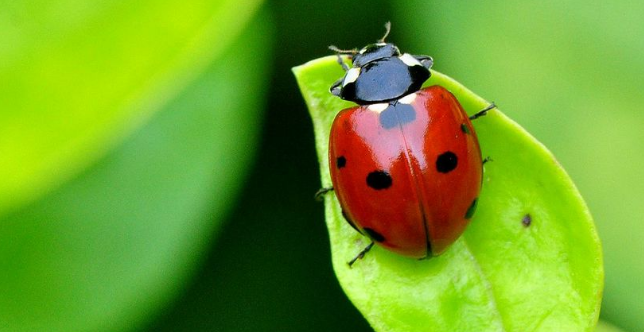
<point x="568" y="72"/>
<point x="110" y="246"/>
<point x="77" y="76"/>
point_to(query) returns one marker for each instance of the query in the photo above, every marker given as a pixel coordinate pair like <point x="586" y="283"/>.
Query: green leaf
<point x="76" y="77"/>
<point x="603" y="326"/>
<point x="500" y="275"/>
<point x="105" y="250"/>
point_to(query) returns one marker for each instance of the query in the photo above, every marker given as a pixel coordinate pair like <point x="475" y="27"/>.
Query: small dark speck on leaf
<point x="526" y="220"/>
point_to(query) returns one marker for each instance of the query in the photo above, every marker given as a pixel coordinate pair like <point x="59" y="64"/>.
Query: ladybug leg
<point x="340" y="61"/>
<point x="320" y="193"/>
<point x="335" y="88"/>
<point x="485" y="161"/>
<point x="338" y="52"/>
<point x="483" y="111"/>
<point x="361" y="254"/>
<point x="341" y="51"/>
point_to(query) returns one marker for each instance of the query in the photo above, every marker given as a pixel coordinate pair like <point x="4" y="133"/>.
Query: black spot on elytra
<point x="471" y="209"/>
<point x="526" y="220"/>
<point x="464" y="128"/>
<point x="379" y="180"/>
<point x="374" y="235"/>
<point x="446" y="162"/>
<point x="397" y="114"/>
<point x="350" y="222"/>
<point x="341" y="161"/>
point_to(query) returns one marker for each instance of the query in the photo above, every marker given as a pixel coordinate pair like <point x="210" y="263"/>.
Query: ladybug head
<point x="380" y="73"/>
<point x="373" y="52"/>
<point x="377" y="51"/>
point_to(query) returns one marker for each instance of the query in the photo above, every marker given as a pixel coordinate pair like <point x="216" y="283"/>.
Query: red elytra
<point x="408" y="172"/>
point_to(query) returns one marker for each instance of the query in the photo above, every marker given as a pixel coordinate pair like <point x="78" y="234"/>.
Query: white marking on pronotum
<point x="409" y="60"/>
<point x="408" y="99"/>
<point x="352" y="76"/>
<point x="378" y="108"/>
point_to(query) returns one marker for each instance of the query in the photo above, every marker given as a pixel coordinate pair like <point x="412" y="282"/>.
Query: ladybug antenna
<point x="340" y="51"/>
<point x="387" y="30"/>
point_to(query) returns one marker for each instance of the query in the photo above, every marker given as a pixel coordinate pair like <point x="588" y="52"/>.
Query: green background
<point x="157" y="161"/>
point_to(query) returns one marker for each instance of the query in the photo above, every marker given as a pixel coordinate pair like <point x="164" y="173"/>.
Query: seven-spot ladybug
<point x="406" y="165"/>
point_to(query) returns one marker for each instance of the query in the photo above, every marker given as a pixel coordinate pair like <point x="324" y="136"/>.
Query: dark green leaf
<point x="77" y="77"/>
<point x="106" y="249"/>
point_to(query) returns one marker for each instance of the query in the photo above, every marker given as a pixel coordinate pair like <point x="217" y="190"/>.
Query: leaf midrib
<point x="488" y="284"/>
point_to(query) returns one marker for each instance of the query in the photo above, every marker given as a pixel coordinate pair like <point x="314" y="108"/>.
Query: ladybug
<point x="405" y="163"/>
